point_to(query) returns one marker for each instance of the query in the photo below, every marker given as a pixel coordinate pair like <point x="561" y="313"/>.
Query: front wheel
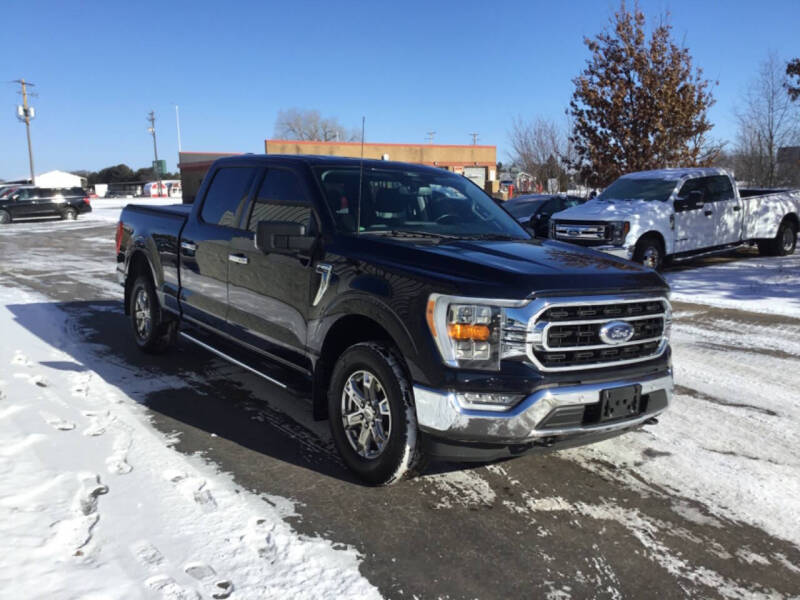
<point x="5" y="217"/>
<point x="649" y="252"/>
<point x="372" y="417"/>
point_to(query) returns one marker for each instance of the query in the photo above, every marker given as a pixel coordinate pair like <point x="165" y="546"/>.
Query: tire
<point x="5" y="217"/>
<point x="152" y="333"/>
<point x="381" y="396"/>
<point x="649" y="252"/>
<point x="70" y="214"/>
<point x="783" y="244"/>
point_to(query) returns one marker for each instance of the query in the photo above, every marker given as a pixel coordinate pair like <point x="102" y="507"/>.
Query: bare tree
<point x="767" y="121"/>
<point x="299" y="124"/>
<point x="540" y="148"/>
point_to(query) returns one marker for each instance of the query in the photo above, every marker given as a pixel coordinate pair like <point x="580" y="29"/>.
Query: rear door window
<point x="281" y="198"/>
<point x="720" y="188"/>
<point x="226" y="194"/>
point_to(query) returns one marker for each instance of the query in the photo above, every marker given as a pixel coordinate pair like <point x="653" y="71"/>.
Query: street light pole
<point x="178" y="125"/>
<point x="156" y="167"/>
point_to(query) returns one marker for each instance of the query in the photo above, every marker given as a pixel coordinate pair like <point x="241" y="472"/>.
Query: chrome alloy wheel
<point x="366" y="415"/>
<point x="141" y="313"/>
<point x="651" y="257"/>
<point x="788" y="239"/>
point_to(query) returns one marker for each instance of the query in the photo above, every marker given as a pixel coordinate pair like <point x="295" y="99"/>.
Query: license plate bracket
<point x="620" y="403"/>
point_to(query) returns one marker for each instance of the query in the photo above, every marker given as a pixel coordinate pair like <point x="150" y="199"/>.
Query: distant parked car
<point x="534" y="210"/>
<point x="26" y="202"/>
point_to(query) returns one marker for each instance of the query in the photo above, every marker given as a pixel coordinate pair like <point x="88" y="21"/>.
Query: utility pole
<point x="25" y="113"/>
<point x="152" y="129"/>
<point x="429" y="137"/>
<point x="474" y="138"/>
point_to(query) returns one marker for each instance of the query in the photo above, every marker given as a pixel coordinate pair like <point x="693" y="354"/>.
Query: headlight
<point x="619" y="231"/>
<point x="467" y="331"/>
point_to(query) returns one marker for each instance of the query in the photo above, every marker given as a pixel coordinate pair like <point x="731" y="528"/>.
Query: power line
<point x="25" y="113"/>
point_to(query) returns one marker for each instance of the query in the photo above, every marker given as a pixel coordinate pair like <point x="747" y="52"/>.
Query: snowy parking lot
<point x="129" y="476"/>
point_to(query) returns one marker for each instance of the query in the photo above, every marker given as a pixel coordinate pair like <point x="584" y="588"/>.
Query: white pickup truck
<point x="653" y="216"/>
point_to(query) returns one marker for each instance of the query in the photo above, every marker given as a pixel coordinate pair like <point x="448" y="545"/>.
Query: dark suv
<point x="30" y="202"/>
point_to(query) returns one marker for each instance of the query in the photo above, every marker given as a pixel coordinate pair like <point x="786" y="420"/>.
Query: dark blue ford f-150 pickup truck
<point x="418" y="316"/>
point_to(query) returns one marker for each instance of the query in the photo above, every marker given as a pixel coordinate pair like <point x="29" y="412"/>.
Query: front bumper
<point x="440" y="415"/>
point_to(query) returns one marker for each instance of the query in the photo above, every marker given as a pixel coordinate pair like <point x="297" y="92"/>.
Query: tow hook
<point x="651" y="421"/>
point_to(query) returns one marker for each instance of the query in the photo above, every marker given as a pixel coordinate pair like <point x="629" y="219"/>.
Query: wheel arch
<point x="138" y="264"/>
<point x="654" y="233"/>
<point x="349" y="329"/>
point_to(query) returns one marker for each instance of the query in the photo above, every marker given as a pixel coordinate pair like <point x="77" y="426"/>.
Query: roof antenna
<point x="360" y="179"/>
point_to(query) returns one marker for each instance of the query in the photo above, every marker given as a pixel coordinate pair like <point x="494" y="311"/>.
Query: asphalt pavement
<point x="536" y="526"/>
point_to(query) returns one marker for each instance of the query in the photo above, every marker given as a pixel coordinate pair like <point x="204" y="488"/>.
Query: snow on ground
<point x="765" y="284"/>
<point x="95" y="503"/>
<point x="731" y="439"/>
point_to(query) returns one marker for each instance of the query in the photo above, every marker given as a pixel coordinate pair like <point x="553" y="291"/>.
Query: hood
<point x="609" y="210"/>
<point x="507" y="269"/>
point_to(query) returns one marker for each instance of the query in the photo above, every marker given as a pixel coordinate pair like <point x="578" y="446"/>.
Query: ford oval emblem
<point x="616" y="332"/>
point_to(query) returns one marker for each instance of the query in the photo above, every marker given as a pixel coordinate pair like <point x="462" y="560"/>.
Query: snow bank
<point x="95" y="503"/>
<point x="754" y="283"/>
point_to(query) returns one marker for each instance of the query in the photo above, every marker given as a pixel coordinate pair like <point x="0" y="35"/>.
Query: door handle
<point x="737" y="208"/>
<point x="189" y="246"/>
<point x="239" y="259"/>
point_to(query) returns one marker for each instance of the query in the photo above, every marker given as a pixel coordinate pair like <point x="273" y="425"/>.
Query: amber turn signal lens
<point x="458" y="331"/>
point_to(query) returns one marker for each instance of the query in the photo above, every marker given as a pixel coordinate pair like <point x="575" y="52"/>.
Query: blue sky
<point x="409" y="66"/>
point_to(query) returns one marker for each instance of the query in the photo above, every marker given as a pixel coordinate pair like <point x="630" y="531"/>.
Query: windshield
<point x="626" y="188"/>
<point x="418" y="202"/>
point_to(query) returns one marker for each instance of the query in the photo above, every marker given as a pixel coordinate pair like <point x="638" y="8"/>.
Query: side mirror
<point x="282" y="237"/>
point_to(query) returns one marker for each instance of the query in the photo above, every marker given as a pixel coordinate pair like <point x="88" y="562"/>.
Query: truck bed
<point x="764" y="210"/>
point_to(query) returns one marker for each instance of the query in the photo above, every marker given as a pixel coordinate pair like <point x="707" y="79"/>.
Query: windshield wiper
<point x="411" y="233"/>
<point x="490" y="236"/>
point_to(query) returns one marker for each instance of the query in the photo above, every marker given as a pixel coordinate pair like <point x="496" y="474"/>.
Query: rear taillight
<point x="119" y="236"/>
<point x="87" y="200"/>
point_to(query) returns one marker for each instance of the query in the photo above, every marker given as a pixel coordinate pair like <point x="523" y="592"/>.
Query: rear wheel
<point x="5" y="217"/>
<point x="151" y="331"/>
<point x="372" y="417"/>
<point x="649" y="252"/>
<point x="70" y="214"/>
<point x="783" y="244"/>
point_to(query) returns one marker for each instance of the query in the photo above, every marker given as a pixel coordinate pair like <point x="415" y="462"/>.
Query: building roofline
<point x="373" y="144"/>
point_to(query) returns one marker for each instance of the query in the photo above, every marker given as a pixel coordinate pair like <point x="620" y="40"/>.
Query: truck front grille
<point x="567" y="335"/>
<point x="584" y="233"/>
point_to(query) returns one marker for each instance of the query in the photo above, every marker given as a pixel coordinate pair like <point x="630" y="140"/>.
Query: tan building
<point x="479" y="163"/>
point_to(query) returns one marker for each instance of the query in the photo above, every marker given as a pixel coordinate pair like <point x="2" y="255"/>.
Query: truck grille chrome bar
<point x="566" y="334"/>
